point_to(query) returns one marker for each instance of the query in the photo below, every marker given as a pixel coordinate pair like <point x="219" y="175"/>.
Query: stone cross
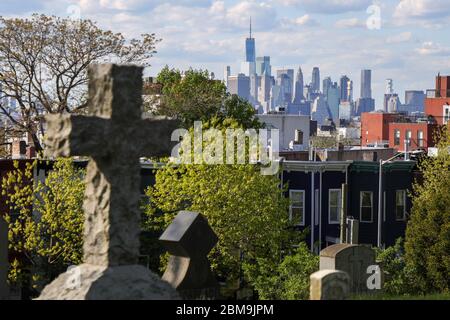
<point x="115" y="136"/>
<point x="329" y="285"/>
<point x="353" y="259"/>
<point x="189" y="239"/>
<point x="4" y="265"/>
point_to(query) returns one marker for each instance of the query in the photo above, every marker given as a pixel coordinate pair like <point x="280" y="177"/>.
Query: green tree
<point x="399" y="277"/>
<point x="288" y="280"/>
<point x="44" y="62"/>
<point x="45" y="220"/>
<point x="190" y="97"/>
<point x="245" y="209"/>
<point x="428" y="232"/>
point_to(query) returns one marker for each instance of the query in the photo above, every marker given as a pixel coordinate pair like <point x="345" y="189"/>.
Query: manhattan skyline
<point x="411" y="46"/>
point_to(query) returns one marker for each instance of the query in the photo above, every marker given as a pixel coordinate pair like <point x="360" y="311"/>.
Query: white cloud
<point x="400" y="38"/>
<point x="433" y="48"/>
<point x="429" y="12"/>
<point x="328" y="6"/>
<point x="306" y="20"/>
<point x="350" y="23"/>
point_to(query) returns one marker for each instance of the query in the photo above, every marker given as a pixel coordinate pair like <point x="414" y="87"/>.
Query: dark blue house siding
<point x="360" y="176"/>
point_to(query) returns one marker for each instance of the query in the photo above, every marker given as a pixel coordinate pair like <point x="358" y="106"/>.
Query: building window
<point x="408" y="137"/>
<point x="316" y="207"/>
<point x="366" y="206"/>
<point x="446" y="114"/>
<point x="397" y="137"/>
<point x="334" y="205"/>
<point x="420" y="142"/>
<point x="297" y="207"/>
<point x="400" y="205"/>
<point x="299" y="136"/>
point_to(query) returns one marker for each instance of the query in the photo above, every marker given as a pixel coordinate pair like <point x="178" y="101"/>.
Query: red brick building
<point x="419" y="135"/>
<point x="437" y="103"/>
<point x="375" y="127"/>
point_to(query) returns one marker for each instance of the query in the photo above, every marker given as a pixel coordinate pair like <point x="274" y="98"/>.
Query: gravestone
<point x="352" y="259"/>
<point x="329" y="285"/>
<point x="115" y="137"/>
<point x="189" y="239"/>
<point x="4" y="263"/>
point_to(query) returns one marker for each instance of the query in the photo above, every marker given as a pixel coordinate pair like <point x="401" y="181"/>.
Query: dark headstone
<point x="189" y="239"/>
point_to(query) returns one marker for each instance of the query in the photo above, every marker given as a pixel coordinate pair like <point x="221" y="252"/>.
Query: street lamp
<point x="380" y="188"/>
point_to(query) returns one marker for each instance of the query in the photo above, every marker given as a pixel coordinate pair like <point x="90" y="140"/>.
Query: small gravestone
<point x="115" y="137"/>
<point x="329" y="285"/>
<point x="189" y="239"/>
<point x="355" y="260"/>
<point x="4" y="264"/>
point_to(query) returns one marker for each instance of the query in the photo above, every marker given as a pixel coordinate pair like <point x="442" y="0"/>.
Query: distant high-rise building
<point x="264" y="92"/>
<point x="344" y="88"/>
<point x="389" y="86"/>
<point x="366" y="84"/>
<point x="255" y="82"/>
<point x="239" y="85"/>
<point x="263" y="65"/>
<point x="388" y="95"/>
<point x="393" y="104"/>
<point x="298" y="92"/>
<point x="226" y="74"/>
<point x="250" y="48"/>
<point x="320" y="111"/>
<point x="333" y="100"/>
<point x="415" y="98"/>
<point x="315" y="80"/>
<point x="285" y="79"/>
<point x="326" y="84"/>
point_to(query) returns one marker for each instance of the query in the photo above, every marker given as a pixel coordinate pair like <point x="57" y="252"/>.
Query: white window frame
<point x="329" y="205"/>
<point x="446" y="116"/>
<point x="420" y="139"/>
<point x="302" y="224"/>
<point x="404" y="205"/>
<point x="360" y="207"/>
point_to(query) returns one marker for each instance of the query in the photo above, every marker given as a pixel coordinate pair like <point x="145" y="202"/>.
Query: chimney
<point x="18" y="149"/>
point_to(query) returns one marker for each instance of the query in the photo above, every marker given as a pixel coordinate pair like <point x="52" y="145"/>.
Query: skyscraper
<point x="315" y="82"/>
<point x="250" y="50"/>
<point x="285" y="79"/>
<point x="239" y="85"/>
<point x="298" y="92"/>
<point x="365" y="103"/>
<point x="226" y="74"/>
<point x="263" y="66"/>
<point x="366" y="84"/>
<point x="326" y="84"/>
<point x="344" y="89"/>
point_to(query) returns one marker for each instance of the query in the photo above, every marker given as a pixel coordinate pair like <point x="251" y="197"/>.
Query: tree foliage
<point x="45" y="220"/>
<point x="191" y="96"/>
<point x="399" y="277"/>
<point x="428" y="232"/>
<point x="245" y="209"/>
<point x="44" y="62"/>
<point x="288" y="280"/>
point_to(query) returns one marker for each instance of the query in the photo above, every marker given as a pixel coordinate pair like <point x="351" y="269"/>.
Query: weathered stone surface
<point x="329" y="285"/>
<point x="4" y="265"/>
<point x="91" y="282"/>
<point x="353" y="259"/>
<point x="115" y="136"/>
<point x="189" y="239"/>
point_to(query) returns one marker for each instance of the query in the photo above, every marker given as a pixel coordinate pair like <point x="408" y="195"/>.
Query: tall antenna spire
<point x="250" y="27"/>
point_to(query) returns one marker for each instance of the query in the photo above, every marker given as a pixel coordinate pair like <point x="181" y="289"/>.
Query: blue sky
<point x="411" y="45"/>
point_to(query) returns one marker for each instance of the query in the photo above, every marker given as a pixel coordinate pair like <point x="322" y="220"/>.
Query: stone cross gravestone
<point x="353" y="259"/>
<point x="4" y="263"/>
<point x="189" y="239"/>
<point x="329" y="285"/>
<point x="115" y="137"/>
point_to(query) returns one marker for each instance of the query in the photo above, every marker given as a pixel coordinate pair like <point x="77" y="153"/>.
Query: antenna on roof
<point x="250" y="27"/>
